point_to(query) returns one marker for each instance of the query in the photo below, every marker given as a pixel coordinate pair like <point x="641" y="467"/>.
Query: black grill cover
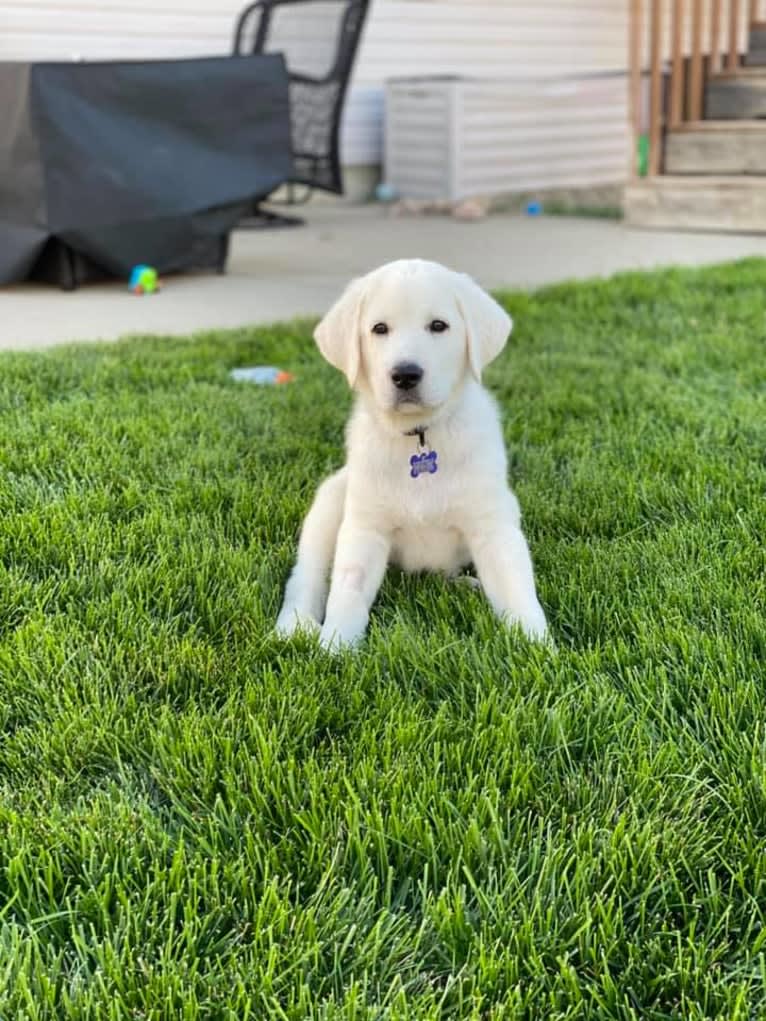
<point x="151" y="162"/>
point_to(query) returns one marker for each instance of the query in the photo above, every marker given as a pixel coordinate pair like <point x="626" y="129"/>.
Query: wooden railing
<point x="676" y="45"/>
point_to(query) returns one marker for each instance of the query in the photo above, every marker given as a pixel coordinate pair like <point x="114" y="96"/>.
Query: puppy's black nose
<point x="406" y="375"/>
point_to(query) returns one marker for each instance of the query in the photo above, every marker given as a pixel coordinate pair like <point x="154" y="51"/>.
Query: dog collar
<point x="424" y="462"/>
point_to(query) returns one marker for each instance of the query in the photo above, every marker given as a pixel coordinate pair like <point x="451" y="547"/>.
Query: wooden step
<point x="736" y="95"/>
<point x="717" y="148"/>
<point x="731" y="204"/>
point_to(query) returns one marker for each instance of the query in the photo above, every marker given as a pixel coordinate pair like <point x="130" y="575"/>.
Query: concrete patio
<point x="281" y="274"/>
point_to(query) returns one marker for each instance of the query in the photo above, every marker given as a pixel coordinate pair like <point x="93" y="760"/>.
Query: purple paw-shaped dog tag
<point x="423" y="463"/>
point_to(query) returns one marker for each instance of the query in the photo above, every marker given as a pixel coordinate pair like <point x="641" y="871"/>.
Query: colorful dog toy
<point x="264" y="374"/>
<point x="143" y="280"/>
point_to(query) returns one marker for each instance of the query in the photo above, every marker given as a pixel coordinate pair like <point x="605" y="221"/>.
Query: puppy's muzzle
<point x="406" y="375"/>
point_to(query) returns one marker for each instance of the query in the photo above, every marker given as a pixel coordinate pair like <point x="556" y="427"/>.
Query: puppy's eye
<point x="438" y="326"/>
<point x="380" y="328"/>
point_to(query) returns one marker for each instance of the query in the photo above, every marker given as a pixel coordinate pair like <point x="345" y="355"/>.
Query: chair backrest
<point x="319" y="40"/>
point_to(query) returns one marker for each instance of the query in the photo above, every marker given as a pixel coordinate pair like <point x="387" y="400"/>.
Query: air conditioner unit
<point x="454" y="138"/>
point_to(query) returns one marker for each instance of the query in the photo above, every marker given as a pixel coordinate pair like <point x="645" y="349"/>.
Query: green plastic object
<point x="143" y="280"/>
<point x="643" y="155"/>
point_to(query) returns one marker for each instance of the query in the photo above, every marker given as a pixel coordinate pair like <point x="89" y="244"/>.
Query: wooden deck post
<point x="677" y="72"/>
<point x="715" y="37"/>
<point x="655" y="93"/>
<point x="695" y="76"/>
<point x="732" y="60"/>
<point x="635" y="60"/>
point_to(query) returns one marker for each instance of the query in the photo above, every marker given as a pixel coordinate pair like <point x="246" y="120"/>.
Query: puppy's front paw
<point x="532" y="622"/>
<point x="337" y="639"/>
<point x="292" y="619"/>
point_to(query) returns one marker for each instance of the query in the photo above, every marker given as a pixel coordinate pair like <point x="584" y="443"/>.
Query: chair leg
<point x="223" y="254"/>
<point x="307" y="193"/>
<point x="67" y="274"/>
<point x="263" y="219"/>
<point x="292" y="198"/>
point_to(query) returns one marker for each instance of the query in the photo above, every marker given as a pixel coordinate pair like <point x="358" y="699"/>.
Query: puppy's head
<point x="409" y="333"/>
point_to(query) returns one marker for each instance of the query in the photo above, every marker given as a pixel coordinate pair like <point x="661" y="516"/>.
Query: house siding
<point x="483" y="38"/>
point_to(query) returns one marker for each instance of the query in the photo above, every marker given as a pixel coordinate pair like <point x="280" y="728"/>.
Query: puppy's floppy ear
<point x="487" y="324"/>
<point x="338" y="334"/>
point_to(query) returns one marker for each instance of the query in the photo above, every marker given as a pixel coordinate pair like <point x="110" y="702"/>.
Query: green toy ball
<point x="143" y="280"/>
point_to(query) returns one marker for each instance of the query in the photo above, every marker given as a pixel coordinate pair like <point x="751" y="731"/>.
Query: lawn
<point x="200" y="822"/>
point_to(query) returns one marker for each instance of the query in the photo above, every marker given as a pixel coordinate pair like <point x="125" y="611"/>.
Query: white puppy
<point x="424" y="484"/>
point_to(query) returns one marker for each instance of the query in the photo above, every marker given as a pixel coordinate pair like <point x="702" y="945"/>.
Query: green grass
<point x="197" y="821"/>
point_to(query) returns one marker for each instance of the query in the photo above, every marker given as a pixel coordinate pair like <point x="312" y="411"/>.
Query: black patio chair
<point x="319" y="40"/>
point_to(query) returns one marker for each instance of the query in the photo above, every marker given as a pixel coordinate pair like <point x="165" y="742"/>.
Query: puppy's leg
<point x="501" y="557"/>
<point x="306" y="590"/>
<point x="360" y="563"/>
